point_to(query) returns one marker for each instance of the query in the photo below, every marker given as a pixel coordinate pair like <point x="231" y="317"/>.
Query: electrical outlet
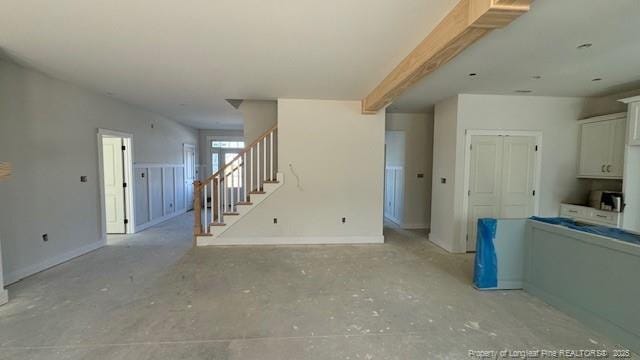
<point x="443" y="180"/>
<point x="83" y="178"/>
<point x="344" y="220"/>
<point x="45" y="237"/>
<point x="275" y="220"/>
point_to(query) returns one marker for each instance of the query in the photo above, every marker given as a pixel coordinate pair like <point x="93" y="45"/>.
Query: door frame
<point x="196" y="174"/>
<point x="467" y="172"/>
<point x="128" y="172"/>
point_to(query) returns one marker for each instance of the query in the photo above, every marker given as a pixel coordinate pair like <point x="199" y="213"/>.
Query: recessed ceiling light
<point x="584" y="46"/>
<point x="524" y="91"/>
<point x="596" y="79"/>
<point x="536" y="77"/>
<point x="473" y="74"/>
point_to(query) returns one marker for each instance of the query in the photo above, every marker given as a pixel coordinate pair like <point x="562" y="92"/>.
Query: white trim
<point x="20" y="274"/>
<point x="441" y="244"/>
<point x="289" y="240"/>
<point x="155" y="165"/>
<point x="630" y="100"/>
<point x="606" y="117"/>
<point x="159" y="220"/>
<point x="128" y="178"/>
<point x="415" y="226"/>
<point x="4" y="296"/>
<point x="467" y="168"/>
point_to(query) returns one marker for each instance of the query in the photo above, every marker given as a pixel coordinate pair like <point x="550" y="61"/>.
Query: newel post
<point x="197" y="208"/>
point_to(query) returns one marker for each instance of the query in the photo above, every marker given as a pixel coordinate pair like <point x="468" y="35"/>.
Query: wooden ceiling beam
<point x="469" y="21"/>
<point x="5" y="170"/>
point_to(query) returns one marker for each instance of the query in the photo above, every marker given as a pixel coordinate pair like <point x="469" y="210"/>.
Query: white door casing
<point x="502" y="177"/>
<point x="114" y="197"/>
<point x="189" y="174"/>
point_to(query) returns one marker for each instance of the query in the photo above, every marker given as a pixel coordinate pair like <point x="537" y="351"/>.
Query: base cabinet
<point x="591" y="216"/>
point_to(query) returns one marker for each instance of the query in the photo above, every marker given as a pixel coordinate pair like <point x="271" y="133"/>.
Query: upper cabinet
<point x="602" y="141"/>
<point x="633" y="138"/>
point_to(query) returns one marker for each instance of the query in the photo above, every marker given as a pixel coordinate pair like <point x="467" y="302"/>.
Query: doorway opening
<point x="502" y="178"/>
<point x="116" y="191"/>
<point x="190" y="174"/>
<point x="394" y="176"/>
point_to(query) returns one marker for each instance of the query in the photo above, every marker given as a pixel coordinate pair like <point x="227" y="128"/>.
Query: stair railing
<point x="232" y="185"/>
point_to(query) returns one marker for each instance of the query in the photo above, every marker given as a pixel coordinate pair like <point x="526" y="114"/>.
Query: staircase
<point x="237" y="188"/>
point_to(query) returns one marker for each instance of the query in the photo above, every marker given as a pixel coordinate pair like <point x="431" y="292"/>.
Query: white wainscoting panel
<point x="159" y="193"/>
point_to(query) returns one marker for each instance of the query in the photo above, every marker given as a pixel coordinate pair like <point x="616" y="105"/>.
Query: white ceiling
<point x="160" y="54"/>
<point x="543" y="43"/>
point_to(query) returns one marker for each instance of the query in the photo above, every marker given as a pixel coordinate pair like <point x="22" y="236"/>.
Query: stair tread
<point x="230" y="213"/>
<point x="271" y="182"/>
<point x="218" y="224"/>
<point x="257" y="192"/>
<point x="244" y="203"/>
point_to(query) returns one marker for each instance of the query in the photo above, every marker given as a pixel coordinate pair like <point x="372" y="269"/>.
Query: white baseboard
<point x="17" y="275"/>
<point x="159" y="220"/>
<point x="414" y="226"/>
<point x="289" y="240"/>
<point x="4" y="296"/>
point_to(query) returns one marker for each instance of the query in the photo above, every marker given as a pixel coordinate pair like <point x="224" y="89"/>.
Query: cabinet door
<point x="616" y="163"/>
<point x="634" y="124"/>
<point x="595" y="149"/>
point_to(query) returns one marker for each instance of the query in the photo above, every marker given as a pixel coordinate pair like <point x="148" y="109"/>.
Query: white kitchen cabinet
<point x="590" y="215"/>
<point x="634" y="120"/>
<point x="602" y="142"/>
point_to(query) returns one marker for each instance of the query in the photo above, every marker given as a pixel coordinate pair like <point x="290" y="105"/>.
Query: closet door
<point x="518" y="170"/>
<point x="484" y="183"/>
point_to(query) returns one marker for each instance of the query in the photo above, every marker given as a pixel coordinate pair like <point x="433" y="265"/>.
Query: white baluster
<point x="212" y="203"/>
<point x="264" y="150"/>
<point x="239" y="173"/>
<point x="219" y="200"/>
<point x="258" y="166"/>
<point x="271" y="153"/>
<point x="244" y="183"/>
<point x="205" y="207"/>
<point x="231" y="191"/>
<point x="224" y="194"/>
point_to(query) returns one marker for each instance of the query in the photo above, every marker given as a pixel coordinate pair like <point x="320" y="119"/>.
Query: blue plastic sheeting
<point x="485" y="273"/>
<point x="615" y="233"/>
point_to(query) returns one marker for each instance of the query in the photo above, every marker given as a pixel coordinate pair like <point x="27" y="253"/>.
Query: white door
<point x="501" y="180"/>
<point x="189" y="174"/>
<point x="484" y="183"/>
<point x="518" y="167"/>
<point x="114" y="202"/>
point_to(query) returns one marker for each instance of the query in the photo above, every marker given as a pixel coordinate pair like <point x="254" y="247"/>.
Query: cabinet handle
<point x="608" y="168"/>
<point x="603" y="167"/>
<point x="573" y="211"/>
<point x="601" y="216"/>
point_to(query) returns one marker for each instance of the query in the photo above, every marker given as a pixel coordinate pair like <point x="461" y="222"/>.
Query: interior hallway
<point x="153" y="296"/>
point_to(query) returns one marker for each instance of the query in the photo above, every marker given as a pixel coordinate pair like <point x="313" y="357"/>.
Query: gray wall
<point x="555" y="117"/>
<point x="258" y="117"/>
<point x="328" y="174"/>
<point x="48" y="131"/>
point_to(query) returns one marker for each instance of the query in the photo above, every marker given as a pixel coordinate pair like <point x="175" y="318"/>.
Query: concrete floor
<point x="152" y="296"/>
